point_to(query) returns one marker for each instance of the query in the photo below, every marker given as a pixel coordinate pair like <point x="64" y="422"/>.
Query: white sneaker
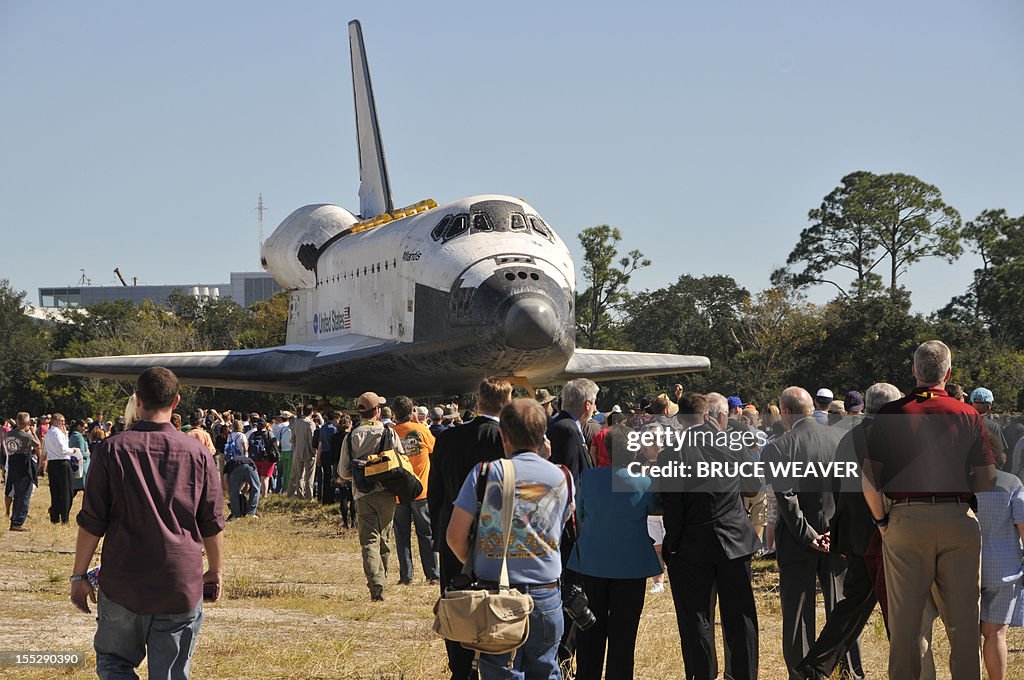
<point x="657" y="588"/>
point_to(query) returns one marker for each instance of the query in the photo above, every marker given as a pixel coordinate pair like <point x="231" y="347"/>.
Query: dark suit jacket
<point x="706" y="525"/>
<point x="568" y="447"/>
<point x="456" y="451"/>
<point x="807" y="511"/>
<point x="851" y="524"/>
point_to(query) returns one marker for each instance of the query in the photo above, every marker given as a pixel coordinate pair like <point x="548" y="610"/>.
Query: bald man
<point x="801" y="532"/>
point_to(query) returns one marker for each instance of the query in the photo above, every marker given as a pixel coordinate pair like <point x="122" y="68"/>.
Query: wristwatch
<point x="880" y="522"/>
<point x="79" y="577"/>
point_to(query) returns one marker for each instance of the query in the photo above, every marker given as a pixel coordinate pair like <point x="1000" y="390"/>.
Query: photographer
<point x="614" y="554"/>
<point x="534" y="560"/>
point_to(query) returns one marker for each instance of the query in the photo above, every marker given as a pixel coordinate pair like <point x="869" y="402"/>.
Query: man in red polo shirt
<point x="919" y="451"/>
<point x="155" y="495"/>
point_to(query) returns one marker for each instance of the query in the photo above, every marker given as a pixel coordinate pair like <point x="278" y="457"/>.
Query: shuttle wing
<point x="286" y="368"/>
<point x="599" y="364"/>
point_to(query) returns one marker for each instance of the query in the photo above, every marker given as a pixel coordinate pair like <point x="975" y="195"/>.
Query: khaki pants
<point x="375" y="512"/>
<point x="302" y="471"/>
<point x="936" y="544"/>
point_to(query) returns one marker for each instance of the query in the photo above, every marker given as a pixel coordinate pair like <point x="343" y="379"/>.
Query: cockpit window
<point x="539" y="226"/>
<point x="459" y="225"/>
<point x="492" y="216"/>
<point x="482" y="222"/>
<point x="438" y="230"/>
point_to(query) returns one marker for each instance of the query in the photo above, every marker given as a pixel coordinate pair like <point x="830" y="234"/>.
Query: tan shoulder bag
<point x="484" y="620"/>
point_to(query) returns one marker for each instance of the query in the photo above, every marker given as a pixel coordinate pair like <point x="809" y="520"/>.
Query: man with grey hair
<point x="437" y="425"/>
<point x="569" y="448"/>
<point x="717" y="404"/>
<point x="919" y="450"/>
<point x="801" y="532"/>
<point x="568" y="444"/>
<point x="853" y="536"/>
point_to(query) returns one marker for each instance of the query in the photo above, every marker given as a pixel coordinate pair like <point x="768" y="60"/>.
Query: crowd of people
<point x="590" y="539"/>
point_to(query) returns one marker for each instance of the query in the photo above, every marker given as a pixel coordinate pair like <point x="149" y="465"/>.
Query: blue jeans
<point x="405" y="517"/>
<point x="123" y="639"/>
<point x="239" y="476"/>
<point x="538" y="658"/>
<point x="22" y="487"/>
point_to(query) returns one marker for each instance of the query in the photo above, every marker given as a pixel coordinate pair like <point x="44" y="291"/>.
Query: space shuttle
<point x="422" y="300"/>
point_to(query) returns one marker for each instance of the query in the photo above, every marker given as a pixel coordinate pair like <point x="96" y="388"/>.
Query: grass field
<point x="296" y="606"/>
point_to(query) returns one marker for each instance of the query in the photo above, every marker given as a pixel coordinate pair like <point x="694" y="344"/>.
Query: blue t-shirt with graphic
<point x="542" y="508"/>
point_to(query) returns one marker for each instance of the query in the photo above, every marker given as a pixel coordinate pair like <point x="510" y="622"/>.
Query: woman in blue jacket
<point x="77" y="440"/>
<point x="615" y="555"/>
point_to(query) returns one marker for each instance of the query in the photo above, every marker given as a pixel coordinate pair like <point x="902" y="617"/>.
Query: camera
<point x="577" y="607"/>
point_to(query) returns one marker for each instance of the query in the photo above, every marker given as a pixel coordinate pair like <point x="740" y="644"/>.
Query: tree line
<point x="860" y="242"/>
<point x="185" y="324"/>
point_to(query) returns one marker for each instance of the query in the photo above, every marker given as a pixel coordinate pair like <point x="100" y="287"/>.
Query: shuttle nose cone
<point x="531" y="324"/>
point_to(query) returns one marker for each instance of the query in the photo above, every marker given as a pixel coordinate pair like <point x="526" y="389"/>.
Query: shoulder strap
<point x="568" y="482"/>
<point x="508" y="503"/>
<point x="385" y="437"/>
<point x="571" y="524"/>
<point x="481" y="485"/>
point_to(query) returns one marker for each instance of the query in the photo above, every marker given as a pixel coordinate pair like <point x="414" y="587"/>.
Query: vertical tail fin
<point x="374" y="185"/>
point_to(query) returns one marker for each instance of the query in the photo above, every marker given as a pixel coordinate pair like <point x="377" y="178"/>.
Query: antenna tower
<point x="259" y="210"/>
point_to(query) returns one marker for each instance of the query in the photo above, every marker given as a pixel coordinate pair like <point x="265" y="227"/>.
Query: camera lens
<point x="577" y="607"/>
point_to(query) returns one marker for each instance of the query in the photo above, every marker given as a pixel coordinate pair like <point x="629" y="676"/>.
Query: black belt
<point x="931" y="500"/>
<point x="538" y="586"/>
<point x="524" y="586"/>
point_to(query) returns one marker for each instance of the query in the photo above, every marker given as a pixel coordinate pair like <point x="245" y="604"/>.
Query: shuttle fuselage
<point x="482" y="285"/>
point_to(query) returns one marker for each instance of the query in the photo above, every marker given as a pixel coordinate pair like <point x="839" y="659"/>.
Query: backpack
<point x="257" y="446"/>
<point x="231" y="447"/>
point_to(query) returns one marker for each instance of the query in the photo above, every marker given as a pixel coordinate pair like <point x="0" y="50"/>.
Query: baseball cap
<point x="368" y="401"/>
<point x="616" y="409"/>
<point x="422" y="410"/>
<point x="735" y="402"/>
<point x="854" y="402"/>
<point x="982" y="395"/>
<point x="287" y="414"/>
<point x="825" y="394"/>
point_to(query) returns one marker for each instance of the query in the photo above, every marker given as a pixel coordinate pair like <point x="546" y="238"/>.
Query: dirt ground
<point x="296" y="606"/>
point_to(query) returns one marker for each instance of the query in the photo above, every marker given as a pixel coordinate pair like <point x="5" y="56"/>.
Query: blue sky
<point x="138" y="135"/>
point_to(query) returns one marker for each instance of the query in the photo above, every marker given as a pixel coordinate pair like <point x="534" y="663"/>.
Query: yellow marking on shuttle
<point x="401" y="213"/>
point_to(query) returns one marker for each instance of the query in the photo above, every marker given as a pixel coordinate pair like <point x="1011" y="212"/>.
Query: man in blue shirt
<point x="534" y="561"/>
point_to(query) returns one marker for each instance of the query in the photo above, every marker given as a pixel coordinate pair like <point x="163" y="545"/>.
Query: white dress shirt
<point x="56" y="444"/>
